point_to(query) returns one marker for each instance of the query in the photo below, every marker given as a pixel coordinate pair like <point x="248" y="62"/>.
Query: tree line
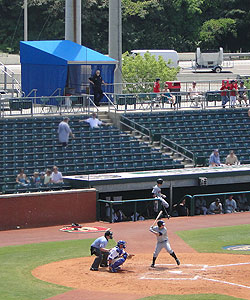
<point x="181" y="25"/>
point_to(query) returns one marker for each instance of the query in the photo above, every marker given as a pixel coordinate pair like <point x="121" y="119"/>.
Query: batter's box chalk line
<point x="152" y="275"/>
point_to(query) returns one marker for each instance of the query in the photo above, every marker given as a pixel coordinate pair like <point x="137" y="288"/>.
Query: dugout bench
<point x="111" y="204"/>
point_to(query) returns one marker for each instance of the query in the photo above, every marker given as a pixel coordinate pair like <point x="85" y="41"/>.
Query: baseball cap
<point x="217" y="199"/>
<point x="216" y="150"/>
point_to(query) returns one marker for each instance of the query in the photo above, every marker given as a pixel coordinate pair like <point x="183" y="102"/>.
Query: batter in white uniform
<point x="162" y="242"/>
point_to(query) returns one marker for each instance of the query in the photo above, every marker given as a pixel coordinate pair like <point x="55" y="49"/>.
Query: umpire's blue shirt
<point x="101" y="242"/>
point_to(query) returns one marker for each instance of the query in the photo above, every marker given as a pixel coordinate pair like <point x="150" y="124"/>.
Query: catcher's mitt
<point x="130" y="256"/>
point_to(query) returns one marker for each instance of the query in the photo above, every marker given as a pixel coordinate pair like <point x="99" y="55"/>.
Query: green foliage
<point x="144" y="69"/>
<point x="217" y="33"/>
<point x="212" y="240"/>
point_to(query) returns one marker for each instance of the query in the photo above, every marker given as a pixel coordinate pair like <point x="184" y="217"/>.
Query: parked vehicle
<point x="170" y="56"/>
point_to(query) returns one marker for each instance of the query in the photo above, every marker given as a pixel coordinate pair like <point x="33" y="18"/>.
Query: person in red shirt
<point x="224" y="93"/>
<point x="233" y="92"/>
<point x="157" y="87"/>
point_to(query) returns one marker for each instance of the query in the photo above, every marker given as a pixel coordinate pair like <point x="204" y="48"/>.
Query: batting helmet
<point x="160" y="223"/>
<point x="109" y="233"/>
<point x="123" y="243"/>
<point x="159" y="180"/>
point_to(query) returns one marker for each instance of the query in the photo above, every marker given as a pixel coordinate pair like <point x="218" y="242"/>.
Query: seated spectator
<point x="93" y="121"/>
<point x="242" y="93"/>
<point x="22" y="179"/>
<point x="200" y="206"/>
<point x="35" y="179"/>
<point x="243" y="202"/>
<point x="168" y="96"/>
<point x="215" y="207"/>
<point x="56" y="176"/>
<point x="181" y="208"/>
<point x="214" y="160"/>
<point x="47" y="177"/>
<point x="194" y="95"/>
<point x="232" y="159"/>
<point x="230" y="205"/>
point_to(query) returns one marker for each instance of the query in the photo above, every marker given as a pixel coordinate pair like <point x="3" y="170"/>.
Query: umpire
<point x="101" y="253"/>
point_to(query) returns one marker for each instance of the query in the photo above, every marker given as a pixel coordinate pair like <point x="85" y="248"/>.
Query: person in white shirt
<point x="194" y="94"/>
<point x="230" y="205"/>
<point x="56" y="176"/>
<point x="93" y="121"/>
<point x="64" y="132"/>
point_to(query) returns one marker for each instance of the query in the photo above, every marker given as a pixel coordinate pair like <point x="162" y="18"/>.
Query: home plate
<point x="175" y="272"/>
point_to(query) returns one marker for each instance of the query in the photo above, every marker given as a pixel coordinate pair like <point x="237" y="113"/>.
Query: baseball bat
<point x="157" y="218"/>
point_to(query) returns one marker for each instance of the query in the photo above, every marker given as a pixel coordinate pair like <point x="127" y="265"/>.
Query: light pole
<point x="25" y="7"/>
<point x="115" y="40"/>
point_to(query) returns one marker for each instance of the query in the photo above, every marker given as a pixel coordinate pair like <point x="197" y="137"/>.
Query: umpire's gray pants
<point x="160" y="246"/>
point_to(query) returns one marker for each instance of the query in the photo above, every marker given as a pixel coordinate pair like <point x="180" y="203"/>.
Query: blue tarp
<point x="49" y="65"/>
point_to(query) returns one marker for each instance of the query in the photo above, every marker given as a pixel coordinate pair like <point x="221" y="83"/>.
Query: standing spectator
<point x="214" y="160"/>
<point x="201" y="206"/>
<point x="232" y="159"/>
<point x="93" y="121"/>
<point x="230" y="205"/>
<point x="194" y="95"/>
<point x="233" y="87"/>
<point x="36" y="180"/>
<point x="181" y="208"/>
<point x="97" y="81"/>
<point x="224" y="93"/>
<point x="157" y="86"/>
<point x="56" y="176"/>
<point x="215" y="207"/>
<point x="243" y="202"/>
<point x="64" y="132"/>
<point x="242" y="93"/>
<point x="22" y="179"/>
<point x="47" y="177"/>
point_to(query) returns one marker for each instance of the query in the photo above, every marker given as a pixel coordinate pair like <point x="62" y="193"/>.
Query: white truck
<point x="167" y="55"/>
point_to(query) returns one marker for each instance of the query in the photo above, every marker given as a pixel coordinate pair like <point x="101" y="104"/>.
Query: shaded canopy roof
<point x="60" y="52"/>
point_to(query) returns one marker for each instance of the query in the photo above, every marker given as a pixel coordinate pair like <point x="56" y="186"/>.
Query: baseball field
<point x="46" y="263"/>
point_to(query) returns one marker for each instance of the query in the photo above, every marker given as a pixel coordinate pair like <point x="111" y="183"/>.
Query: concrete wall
<point x="47" y="208"/>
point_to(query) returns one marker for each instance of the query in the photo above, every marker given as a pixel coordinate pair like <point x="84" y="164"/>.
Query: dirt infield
<point x="198" y="273"/>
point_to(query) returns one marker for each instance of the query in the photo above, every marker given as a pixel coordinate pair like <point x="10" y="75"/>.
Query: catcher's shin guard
<point x="118" y="263"/>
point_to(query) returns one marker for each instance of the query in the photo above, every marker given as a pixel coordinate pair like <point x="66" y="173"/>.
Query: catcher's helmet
<point x="109" y="233"/>
<point x="159" y="180"/>
<point x="123" y="243"/>
<point x="160" y="223"/>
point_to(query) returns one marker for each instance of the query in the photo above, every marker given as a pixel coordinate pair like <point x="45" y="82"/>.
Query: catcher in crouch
<point x="117" y="256"/>
<point x="162" y="242"/>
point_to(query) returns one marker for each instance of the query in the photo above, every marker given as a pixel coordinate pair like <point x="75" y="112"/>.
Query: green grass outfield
<point x="213" y="239"/>
<point x="17" y="262"/>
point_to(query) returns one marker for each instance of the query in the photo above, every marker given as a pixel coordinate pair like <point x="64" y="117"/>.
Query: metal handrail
<point x="192" y="198"/>
<point x="32" y="91"/>
<point x="175" y="147"/>
<point x="58" y="89"/>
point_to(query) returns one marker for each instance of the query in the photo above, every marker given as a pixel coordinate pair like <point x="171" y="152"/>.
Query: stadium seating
<point x="32" y="144"/>
<point x="200" y="131"/>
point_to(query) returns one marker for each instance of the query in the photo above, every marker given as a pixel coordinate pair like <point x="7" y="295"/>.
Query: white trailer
<point x="209" y="60"/>
<point x="167" y="55"/>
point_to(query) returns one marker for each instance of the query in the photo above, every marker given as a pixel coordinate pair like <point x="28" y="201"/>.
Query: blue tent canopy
<point x="50" y="65"/>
